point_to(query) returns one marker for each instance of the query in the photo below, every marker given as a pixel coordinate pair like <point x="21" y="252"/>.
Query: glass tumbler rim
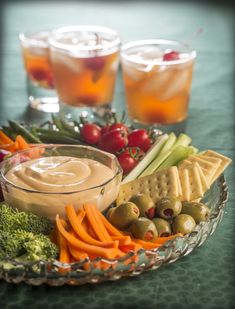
<point x="191" y="52"/>
<point x="58" y="32"/>
<point x="33" y="39"/>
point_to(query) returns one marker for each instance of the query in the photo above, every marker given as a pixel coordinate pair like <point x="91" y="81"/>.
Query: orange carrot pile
<point x="8" y="144"/>
<point x="87" y="233"/>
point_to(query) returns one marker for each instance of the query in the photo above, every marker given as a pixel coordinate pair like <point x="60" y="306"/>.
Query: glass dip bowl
<point x="46" y="203"/>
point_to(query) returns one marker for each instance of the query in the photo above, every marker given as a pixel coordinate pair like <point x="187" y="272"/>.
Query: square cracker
<point x="185" y="183"/>
<point x="191" y="183"/>
<point x="208" y="168"/>
<point x="225" y="161"/>
<point x="204" y="182"/>
<point x="157" y="185"/>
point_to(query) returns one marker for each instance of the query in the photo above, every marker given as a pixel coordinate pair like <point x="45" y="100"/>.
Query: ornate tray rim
<point x="55" y="273"/>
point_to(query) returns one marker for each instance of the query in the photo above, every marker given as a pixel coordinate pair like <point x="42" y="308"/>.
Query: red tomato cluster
<point x="128" y="145"/>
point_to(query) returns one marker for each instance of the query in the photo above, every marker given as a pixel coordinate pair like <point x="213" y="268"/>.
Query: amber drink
<point x="40" y="77"/>
<point x="157" y="78"/>
<point x="85" y="62"/>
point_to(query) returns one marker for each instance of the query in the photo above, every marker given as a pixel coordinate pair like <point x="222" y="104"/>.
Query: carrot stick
<point x="146" y="244"/>
<point x="64" y="255"/>
<point x="23" y="145"/>
<point x="10" y="147"/>
<point x="130" y="247"/>
<point x="110" y="228"/>
<point x="162" y="240"/>
<point x="80" y="216"/>
<point x="79" y="230"/>
<point x="96" y="223"/>
<point x="91" y="232"/>
<point x="123" y="240"/>
<point x="4" y="139"/>
<point x="109" y="253"/>
<point x="76" y="254"/>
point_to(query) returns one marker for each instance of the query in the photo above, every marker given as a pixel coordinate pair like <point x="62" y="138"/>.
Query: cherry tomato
<point x="129" y="158"/>
<point x="139" y="138"/>
<point x="118" y="125"/>
<point x="170" y="56"/>
<point x="127" y="162"/>
<point x="91" y="133"/>
<point x="135" y="152"/>
<point x="105" y="129"/>
<point x="113" y="141"/>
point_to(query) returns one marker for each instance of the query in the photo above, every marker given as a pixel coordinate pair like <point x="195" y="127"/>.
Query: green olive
<point x="109" y="212"/>
<point x="122" y="215"/>
<point x="143" y="228"/>
<point x="183" y="224"/>
<point x="163" y="227"/>
<point x="199" y="211"/>
<point x="145" y="204"/>
<point x="168" y="207"/>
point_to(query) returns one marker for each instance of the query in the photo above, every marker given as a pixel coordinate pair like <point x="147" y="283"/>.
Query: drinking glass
<point x="85" y="62"/>
<point x="40" y="78"/>
<point x="157" y="78"/>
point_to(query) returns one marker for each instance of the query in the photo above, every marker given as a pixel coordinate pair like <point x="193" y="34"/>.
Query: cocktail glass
<point x="85" y="63"/>
<point x="157" y="78"/>
<point x="40" y="78"/>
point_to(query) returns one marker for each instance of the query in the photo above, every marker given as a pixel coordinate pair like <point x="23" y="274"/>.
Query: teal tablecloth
<point x="205" y="278"/>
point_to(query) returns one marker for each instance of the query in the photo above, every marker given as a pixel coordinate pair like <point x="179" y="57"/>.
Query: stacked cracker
<point x="189" y="181"/>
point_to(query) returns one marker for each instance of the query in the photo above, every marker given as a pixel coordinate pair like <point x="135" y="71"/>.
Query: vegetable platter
<point x="170" y="199"/>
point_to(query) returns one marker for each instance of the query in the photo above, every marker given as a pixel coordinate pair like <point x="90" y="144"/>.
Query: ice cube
<point x="38" y="51"/>
<point x="152" y="53"/>
<point x="155" y="83"/>
<point x="176" y="84"/>
<point x="133" y="71"/>
<point x="72" y="63"/>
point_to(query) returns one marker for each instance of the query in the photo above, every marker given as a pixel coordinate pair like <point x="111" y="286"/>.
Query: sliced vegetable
<point x="4" y="139"/>
<point x="178" y="154"/>
<point x="170" y="145"/>
<point x="109" y="253"/>
<point x="79" y="230"/>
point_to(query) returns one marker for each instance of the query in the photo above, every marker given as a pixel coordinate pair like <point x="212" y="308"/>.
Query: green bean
<point x="56" y="137"/>
<point x="19" y="129"/>
<point x="57" y="122"/>
<point x="70" y="129"/>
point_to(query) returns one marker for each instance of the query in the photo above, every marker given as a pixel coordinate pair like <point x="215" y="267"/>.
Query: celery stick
<point x="166" y="149"/>
<point x="183" y="140"/>
<point x="177" y="154"/>
<point x="194" y="150"/>
<point x="150" y="155"/>
<point x="171" y="144"/>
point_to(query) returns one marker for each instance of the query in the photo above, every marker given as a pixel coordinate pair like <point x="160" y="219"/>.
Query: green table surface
<point x="204" y="278"/>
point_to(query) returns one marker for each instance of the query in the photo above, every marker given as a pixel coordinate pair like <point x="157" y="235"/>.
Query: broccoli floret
<point x="40" y="247"/>
<point x="22" y="236"/>
<point x="6" y="218"/>
<point x="12" y="244"/>
<point x="32" y="223"/>
<point x="25" y="246"/>
<point x="12" y="219"/>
